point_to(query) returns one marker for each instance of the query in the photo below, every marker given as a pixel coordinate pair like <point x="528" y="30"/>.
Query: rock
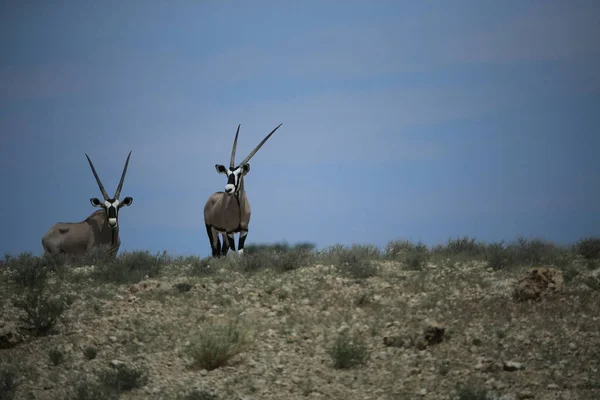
<point x="553" y="386"/>
<point x="393" y="341"/>
<point x="9" y="335"/>
<point x="538" y="282"/>
<point x="434" y="333"/>
<point x="512" y="366"/>
<point x="525" y="394"/>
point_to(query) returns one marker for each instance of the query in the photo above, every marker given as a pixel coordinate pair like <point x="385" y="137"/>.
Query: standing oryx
<point x="228" y="212"/>
<point x="100" y="229"/>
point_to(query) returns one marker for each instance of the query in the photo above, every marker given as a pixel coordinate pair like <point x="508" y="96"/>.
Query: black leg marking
<point x="225" y="246"/>
<point x="243" y="235"/>
<point x="214" y="246"/>
<point x="231" y="240"/>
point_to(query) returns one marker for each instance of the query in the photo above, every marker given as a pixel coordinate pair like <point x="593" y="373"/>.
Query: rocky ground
<point x="442" y="331"/>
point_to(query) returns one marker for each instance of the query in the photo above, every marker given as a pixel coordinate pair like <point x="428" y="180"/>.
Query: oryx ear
<point x="95" y="202"/>
<point x="245" y="168"/>
<point x="127" y="201"/>
<point x="220" y="168"/>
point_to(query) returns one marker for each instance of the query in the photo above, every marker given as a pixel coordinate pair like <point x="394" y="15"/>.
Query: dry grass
<point x="284" y="321"/>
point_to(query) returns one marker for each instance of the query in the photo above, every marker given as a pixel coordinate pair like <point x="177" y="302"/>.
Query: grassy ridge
<point x="42" y="290"/>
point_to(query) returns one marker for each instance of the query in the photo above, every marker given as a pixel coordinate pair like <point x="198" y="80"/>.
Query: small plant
<point x="255" y="261"/>
<point x="348" y="351"/>
<point x="199" y="394"/>
<point x="8" y="382"/>
<point x="217" y="345"/>
<point x="90" y="352"/>
<point x="125" y="377"/>
<point x="471" y="393"/>
<point x="199" y="266"/>
<point x="41" y="311"/>
<point x="56" y="356"/>
<point x="182" y="287"/>
<point x="357" y="267"/>
<point x="87" y="389"/>
<point x="498" y="256"/>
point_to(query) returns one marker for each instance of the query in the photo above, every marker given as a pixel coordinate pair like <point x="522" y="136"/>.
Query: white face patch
<point x="107" y="204"/>
<point x="230" y="187"/>
<point x="112" y="221"/>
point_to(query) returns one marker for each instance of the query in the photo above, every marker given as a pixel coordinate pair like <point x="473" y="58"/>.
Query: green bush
<point x="588" y="248"/>
<point x="132" y="267"/>
<point x="348" y="351"/>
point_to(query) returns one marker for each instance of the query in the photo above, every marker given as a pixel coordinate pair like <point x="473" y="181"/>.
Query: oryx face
<point x="234" y="176"/>
<point x="112" y="207"/>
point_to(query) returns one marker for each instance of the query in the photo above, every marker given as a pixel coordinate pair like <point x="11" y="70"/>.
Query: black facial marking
<point x="112" y="212"/>
<point x="231" y="179"/>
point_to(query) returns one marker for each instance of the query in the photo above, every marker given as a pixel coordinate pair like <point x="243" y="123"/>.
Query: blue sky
<point x="414" y="120"/>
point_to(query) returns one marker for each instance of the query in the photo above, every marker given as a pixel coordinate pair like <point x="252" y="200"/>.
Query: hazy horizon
<point x="401" y="120"/>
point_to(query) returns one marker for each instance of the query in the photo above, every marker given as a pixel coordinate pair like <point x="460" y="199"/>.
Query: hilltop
<point x="458" y="321"/>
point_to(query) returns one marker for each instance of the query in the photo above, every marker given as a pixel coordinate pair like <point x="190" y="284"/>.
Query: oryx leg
<point x="213" y="237"/>
<point x="225" y="245"/>
<point x="242" y="240"/>
<point x="231" y="240"/>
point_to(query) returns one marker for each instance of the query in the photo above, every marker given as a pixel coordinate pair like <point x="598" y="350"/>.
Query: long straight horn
<point x="104" y="194"/>
<point x="232" y="160"/>
<point x="259" y="145"/>
<point x="118" y="192"/>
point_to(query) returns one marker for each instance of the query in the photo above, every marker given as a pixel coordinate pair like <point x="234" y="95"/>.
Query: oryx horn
<point x="232" y="160"/>
<point x="259" y="145"/>
<point x="104" y="194"/>
<point x="118" y="192"/>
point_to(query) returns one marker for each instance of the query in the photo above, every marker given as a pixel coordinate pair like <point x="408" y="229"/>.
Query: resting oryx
<point x="228" y="212"/>
<point x="100" y="229"/>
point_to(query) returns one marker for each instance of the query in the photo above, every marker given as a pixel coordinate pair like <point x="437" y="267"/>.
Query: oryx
<point x="228" y="212"/>
<point x="100" y="229"/>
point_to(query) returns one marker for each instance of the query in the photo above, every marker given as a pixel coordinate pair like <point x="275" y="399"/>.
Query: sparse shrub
<point x="396" y="248"/>
<point x="462" y="246"/>
<point x="498" y="256"/>
<point x="357" y="267"/>
<point x="56" y="356"/>
<point x="217" y="345"/>
<point x="182" y="287"/>
<point x="413" y="255"/>
<point x="199" y="266"/>
<point x="41" y="311"/>
<point x="281" y="247"/>
<point x="124" y="377"/>
<point x="294" y="259"/>
<point x="199" y="394"/>
<point x="97" y="256"/>
<point x="87" y="389"/>
<point x="537" y="251"/>
<point x="362" y="299"/>
<point x="8" y="382"/>
<point x="132" y="267"/>
<point x="348" y="351"/>
<point x="472" y="393"/>
<point x="90" y="352"/>
<point x="255" y="261"/>
<point x="588" y="248"/>
<point x="28" y="271"/>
